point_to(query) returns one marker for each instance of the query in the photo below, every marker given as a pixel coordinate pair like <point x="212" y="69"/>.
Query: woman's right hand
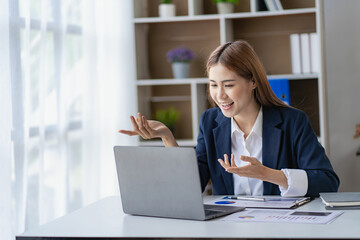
<point x="149" y="129"/>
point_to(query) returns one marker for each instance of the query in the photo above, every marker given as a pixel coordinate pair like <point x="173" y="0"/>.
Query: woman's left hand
<point x="253" y="170"/>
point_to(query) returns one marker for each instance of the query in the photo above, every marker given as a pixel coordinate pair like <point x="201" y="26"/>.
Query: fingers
<point x="233" y="161"/>
<point x="139" y="126"/>
<point x="225" y="163"/>
<point x="222" y="163"/>
<point x="129" y="133"/>
<point x="226" y="158"/>
<point x="248" y="159"/>
<point x="134" y="124"/>
<point x="141" y="123"/>
<point x="147" y="127"/>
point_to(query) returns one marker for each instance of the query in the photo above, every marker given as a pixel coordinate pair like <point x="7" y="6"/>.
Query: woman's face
<point x="232" y="93"/>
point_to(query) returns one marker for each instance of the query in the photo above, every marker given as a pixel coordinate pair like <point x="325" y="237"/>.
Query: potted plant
<point x="180" y="58"/>
<point x="225" y="6"/>
<point x="169" y="117"/>
<point x="166" y="8"/>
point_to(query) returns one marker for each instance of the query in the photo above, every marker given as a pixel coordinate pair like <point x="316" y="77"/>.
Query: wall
<point x="342" y="74"/>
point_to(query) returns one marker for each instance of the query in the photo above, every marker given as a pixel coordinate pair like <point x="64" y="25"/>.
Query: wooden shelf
<point x="170" y="99"/>
<point x="225" y="16"/>
<point x="172" y="81"/>
<point x="198" y="27"/>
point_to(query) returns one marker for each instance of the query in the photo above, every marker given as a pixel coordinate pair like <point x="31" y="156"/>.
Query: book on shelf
<point x="315" y="52"/>
<point x="295" y="53"/>
<point x="273" y="5"/>
<point x="305" y="53"/>
<point x="341" y="200"/>
<point x="270" y="4"/>
<point x="278" y="5"/>
<point x="261" y="6"/>
<point x="281" y="89"/>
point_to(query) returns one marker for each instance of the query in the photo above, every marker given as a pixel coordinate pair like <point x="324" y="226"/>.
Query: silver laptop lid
<point x="159" y="181"/>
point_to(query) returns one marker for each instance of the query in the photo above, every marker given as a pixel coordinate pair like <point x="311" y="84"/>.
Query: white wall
<point x="342" y="68"/>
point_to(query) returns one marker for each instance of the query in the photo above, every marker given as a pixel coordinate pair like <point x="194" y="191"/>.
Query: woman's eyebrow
<point x="223" y="81"/>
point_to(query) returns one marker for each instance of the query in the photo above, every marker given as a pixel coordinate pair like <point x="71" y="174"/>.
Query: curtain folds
<point x="67" y="72"/>
<point x="6" y="216"/>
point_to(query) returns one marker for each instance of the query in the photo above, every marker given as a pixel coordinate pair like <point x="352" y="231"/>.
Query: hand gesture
<point x="149" y="129"/>
<point x="254" y="170"/>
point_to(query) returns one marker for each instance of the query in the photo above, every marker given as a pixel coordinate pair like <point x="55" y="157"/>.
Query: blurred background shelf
<point x="198" y="27"/>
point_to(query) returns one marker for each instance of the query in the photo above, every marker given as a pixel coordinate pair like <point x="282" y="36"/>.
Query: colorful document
<point x="283" y="216"/>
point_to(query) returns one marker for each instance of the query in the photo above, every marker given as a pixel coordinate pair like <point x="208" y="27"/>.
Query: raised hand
<point x="149" y="129"/>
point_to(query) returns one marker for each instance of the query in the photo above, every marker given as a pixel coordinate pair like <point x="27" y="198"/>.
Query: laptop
<point x="163" y="182"/>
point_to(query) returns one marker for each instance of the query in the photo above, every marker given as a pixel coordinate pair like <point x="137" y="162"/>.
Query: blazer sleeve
<point x="202" y="155"/>
<point x="312" y="158"/>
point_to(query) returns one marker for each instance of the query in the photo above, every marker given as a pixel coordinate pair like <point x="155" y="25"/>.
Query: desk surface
<point x="105" y="219"/>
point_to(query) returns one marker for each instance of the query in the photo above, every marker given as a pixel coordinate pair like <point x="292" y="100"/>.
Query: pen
<point x="247" y="198"/>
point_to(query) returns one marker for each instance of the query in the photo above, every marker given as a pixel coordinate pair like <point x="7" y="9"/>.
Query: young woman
<point x="252" y="143"/>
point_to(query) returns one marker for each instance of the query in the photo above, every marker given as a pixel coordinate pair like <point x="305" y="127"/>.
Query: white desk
<point x="105" y="219"/>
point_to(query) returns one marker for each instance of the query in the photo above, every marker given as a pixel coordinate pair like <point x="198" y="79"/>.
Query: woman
<point x="253" y="143"/>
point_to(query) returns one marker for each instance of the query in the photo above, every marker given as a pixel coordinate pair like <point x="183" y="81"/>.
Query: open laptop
<point x="163" y="182"/>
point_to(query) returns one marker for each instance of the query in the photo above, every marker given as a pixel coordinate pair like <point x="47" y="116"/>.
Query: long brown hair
<point x="240" y="57"/>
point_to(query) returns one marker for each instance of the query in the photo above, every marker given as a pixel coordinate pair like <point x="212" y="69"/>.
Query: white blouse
<point x="252" y="146"/>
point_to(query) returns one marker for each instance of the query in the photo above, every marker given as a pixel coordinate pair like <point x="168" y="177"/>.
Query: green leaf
<point x="229" y="1"/>
<point x="167" y="116"/>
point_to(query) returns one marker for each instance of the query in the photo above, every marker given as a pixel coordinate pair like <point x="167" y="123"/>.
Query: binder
<point x="305" y="52"/>
<point x="315" y="52"/>
<point x="295" y="53"/>
<point x="281" y="89"/>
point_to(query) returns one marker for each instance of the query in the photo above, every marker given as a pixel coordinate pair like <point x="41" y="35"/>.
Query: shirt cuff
<point x="297" y="183"/>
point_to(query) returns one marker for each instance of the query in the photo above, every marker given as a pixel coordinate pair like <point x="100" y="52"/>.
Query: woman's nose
<point x="221" y="93"/>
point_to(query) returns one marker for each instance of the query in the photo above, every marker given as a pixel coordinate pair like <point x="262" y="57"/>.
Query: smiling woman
<point x="272" y="146"/>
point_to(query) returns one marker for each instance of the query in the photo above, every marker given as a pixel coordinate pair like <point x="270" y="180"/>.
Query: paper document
<point x="283" y="216"/>
<point x="269" y="202"/>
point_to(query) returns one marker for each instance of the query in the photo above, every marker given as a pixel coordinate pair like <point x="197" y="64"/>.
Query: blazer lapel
<point x="222" y="139"/>
<point x="271" y="141"/>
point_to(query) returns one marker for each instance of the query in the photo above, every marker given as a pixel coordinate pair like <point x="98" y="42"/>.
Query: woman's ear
<point x="253" y="84"/>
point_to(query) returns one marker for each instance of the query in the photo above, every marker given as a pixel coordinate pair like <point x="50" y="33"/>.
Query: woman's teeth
<point x="226" y="105"/>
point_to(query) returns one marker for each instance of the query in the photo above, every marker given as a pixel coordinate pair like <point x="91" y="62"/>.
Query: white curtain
<point x="67" y="86"/>
<point x="6" y="217"/>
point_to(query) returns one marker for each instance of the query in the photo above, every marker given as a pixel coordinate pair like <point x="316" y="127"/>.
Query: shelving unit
<point x="197" y="26"/>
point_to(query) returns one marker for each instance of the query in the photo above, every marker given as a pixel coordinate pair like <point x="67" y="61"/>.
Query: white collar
<point x="257" y="128"/>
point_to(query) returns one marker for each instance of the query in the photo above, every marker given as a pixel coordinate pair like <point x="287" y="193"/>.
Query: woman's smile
<point x="226" y="106"/>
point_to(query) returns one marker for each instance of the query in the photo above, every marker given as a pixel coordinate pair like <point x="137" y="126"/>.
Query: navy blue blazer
<point x="288" y="142"/>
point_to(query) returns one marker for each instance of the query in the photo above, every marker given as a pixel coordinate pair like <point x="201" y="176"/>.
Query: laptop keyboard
<point x="219" y="208"/>
<point x="214" y="210"/>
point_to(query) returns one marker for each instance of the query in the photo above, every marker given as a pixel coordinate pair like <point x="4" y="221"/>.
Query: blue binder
<point x="281" y="89"/>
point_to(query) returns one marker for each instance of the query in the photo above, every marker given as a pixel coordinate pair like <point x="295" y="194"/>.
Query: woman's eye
<point x="229" y="86"/>
<point x="212" y="85"/>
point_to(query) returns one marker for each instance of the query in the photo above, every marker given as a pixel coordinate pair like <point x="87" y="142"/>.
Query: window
<point x="47" y="46"/>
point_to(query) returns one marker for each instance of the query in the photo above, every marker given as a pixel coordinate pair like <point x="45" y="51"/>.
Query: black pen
<point x="247" y="198"/>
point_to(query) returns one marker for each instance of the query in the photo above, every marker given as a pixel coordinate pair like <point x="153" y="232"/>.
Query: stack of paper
<point x="253" y="202"/>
